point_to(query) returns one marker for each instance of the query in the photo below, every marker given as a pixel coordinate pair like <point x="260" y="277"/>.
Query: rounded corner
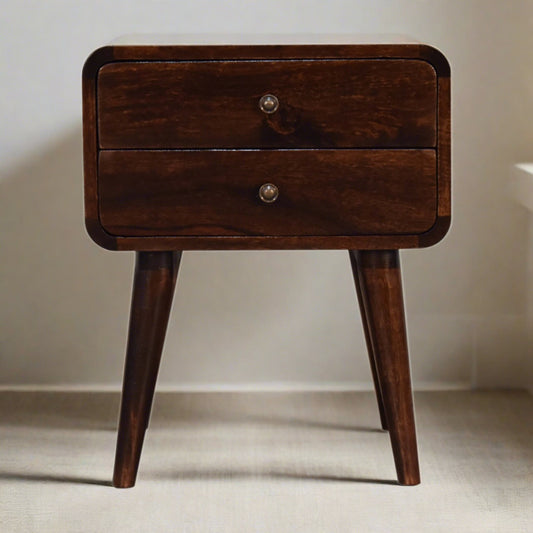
<point x="100" y="236"/>
<point x="436" y="59"/>
<point x="96" y="60"/>
<point x="436" y="233"/>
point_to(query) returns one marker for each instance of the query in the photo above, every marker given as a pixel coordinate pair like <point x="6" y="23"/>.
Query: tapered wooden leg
<point x="368" y="339"/>
<point x="154" y="368"/>
<point x="153" y="288"/>
<point x="381" y="286"/>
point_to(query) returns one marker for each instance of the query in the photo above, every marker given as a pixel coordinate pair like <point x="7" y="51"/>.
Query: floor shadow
<point x="196" y="475"/>
<point x="315" y="410"/>
<point x="277" y="421"/>
<point x="232" y="474"/>
<point x="49" y="478"/>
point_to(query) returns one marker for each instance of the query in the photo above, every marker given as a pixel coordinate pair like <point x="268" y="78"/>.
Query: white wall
<point x="529" y="319"/>
<point x="260" y="317"/>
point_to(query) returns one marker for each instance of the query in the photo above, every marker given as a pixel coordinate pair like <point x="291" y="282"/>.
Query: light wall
<point x="529" y="358"/>
<point x="260" y="318"/>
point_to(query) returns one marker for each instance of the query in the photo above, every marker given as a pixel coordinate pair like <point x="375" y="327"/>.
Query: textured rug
<point x="266" y="462"/>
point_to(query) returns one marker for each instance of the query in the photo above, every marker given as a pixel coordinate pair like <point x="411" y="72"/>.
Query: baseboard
<point x="282" y="386"/>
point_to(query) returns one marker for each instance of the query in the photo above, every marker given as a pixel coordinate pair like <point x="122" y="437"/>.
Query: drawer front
<point x="349" y="103"/>
<point x="216" y="193"/>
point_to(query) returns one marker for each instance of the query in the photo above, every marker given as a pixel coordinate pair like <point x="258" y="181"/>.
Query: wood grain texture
<point x="153" y="288"/>
<point x="368" y="338"/>
<point x="188" y="52"/>
<point x="322" y="192"/>
<point x="300" y="242"/>
<point x="114" y="55"/>
<point x="322" y="104"/>
<point x="444" y="147"/>
<point x="381" y="287"/>
<point x="90" y="167"/>
<point x="176" y="148"/>
<point x="443" y="221"/>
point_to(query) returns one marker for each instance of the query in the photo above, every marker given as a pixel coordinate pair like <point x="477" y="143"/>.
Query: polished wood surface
<point x="153" y="288"/>
<point x="381" y="288"/>
<point x="176" y="149"/>
<point x="215" y="104"/>
<point x="368" y="338"/>
<point x="365" y="49"/>
<point x="321" y="192"/>
<point x="206" y="97"/>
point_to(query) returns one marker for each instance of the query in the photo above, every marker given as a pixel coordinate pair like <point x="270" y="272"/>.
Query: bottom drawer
<point x="216" y="192"/>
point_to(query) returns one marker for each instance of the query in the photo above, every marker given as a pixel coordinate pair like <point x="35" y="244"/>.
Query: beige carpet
<point x="266" y="462"/>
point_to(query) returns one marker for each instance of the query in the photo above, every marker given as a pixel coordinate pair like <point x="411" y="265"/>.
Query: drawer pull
<point x="268" y="104"/>
<point x="268" y="193"/>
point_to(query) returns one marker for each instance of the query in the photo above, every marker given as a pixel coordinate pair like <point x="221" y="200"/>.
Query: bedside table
<point x="329" y="145"/>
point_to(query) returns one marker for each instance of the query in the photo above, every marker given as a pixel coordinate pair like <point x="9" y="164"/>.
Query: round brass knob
<point x="268" y="104"/>
<point x="268" y="193"/>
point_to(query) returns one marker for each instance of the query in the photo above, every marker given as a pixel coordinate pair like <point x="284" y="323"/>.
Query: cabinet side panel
<point x="442" y="225"/>
<point x="444" y="147"/>
<point x="90" y="148"/>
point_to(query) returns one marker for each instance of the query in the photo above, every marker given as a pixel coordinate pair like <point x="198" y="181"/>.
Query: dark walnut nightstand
<point x="278" y="146"/>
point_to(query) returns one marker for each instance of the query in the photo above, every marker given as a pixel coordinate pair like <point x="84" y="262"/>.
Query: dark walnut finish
<point x="379" y="277"/>
<point x="367" y="330"/>
<point x="324" y="104"/>
<point x="355" y="155"/>
<point x="351" y="192"/>
<point x="153" y="288"/>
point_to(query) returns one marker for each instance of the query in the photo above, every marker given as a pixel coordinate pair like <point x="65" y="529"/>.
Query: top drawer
<point x="326" y="103"/>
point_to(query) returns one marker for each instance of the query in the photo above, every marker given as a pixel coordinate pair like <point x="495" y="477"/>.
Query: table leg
<point x="153" y="288"/>
<point x="368" y="339"/>
<point x="381" y="287"/>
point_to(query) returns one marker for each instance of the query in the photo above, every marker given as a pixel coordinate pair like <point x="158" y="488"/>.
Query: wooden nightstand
<point x="278" y="146"/>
